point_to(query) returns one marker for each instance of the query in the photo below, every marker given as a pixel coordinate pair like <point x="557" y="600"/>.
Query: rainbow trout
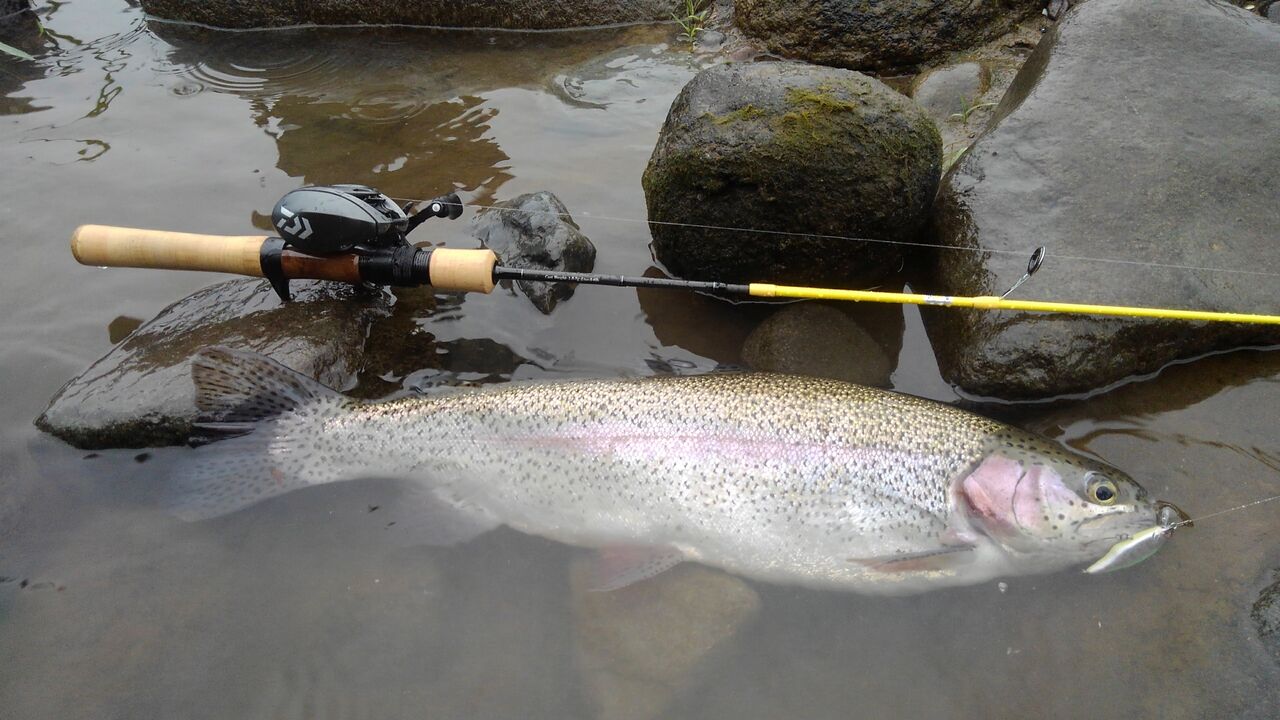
<point x="778" y="478"/>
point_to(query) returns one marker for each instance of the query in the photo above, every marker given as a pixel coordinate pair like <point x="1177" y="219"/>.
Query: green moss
<point x="820" y="100"/>
<point x="747" y="112"/>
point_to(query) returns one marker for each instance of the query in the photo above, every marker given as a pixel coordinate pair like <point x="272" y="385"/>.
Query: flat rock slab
<point x="140" y="394"/>
<point x="1140" y="131"/>
<point x="885" y="33"/>
<point x="505" y="14"/>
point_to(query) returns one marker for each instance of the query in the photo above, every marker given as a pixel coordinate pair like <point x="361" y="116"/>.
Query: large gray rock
<point x="507" y="14"/>
<point x="140" y="394"/>
<point x="1167" y="157"/>
<point x="863" y="35"/>
<point x="789" y="148"/>
<point x="535" y="232"/>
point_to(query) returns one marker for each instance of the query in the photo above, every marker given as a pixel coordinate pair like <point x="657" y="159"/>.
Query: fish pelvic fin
<point x="619" y="566"/>
<point x="278" y="415"/>
<point x="235" y="386"/>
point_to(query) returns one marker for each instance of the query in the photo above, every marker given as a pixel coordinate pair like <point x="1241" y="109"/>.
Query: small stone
<point x="709" y="40"/>
<point x="950" y="90"/>
<point x="819" y="341"/>
<point x="534" y="231"/>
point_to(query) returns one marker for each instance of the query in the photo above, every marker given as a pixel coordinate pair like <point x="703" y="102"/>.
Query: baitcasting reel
<point x="327" y="219"/>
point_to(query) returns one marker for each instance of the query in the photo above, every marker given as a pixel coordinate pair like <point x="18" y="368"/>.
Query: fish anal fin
<point x="941" y="559"/>
<point x="621" y="565"/>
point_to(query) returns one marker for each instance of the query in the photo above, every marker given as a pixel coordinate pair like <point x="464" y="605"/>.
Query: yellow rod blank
<point x="990" y="302"/>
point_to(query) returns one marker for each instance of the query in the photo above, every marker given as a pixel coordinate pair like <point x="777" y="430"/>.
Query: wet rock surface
<point x="1266" y="616"/>
<point x="140" y="394"/>
<point x="12" y="15"/>
<point x="535" y="231"/>
<point x="641" y="646"/>
<point x="891" y="33"/>
<point x="799" y="150"/>
<point x="817" y="340"/>
<point x="949" y="90"/>
<point x="1088" y="161"/>
<point x="506" y="14"/>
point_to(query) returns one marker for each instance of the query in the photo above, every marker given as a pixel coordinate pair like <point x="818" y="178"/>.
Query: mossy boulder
<point x="888" y="33"/>
<point x="506" y="14"/>
<point x="820" y="154"/>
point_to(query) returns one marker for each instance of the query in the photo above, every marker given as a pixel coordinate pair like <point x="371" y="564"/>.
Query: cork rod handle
<point x="103" y="245"/>
<point x="463" y="270"/>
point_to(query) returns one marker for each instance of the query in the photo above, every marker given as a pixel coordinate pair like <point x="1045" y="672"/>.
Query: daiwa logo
<point x="299" y="228"/>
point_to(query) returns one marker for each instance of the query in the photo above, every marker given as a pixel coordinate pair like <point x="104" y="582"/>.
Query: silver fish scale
<point x="778" y="477"/>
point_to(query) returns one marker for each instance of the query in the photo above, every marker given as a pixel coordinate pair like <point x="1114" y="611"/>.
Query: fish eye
<point x="1102" y="490"/>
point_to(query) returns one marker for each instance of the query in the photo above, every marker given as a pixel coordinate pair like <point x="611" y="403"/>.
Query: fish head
<point x="1049" y="507"/>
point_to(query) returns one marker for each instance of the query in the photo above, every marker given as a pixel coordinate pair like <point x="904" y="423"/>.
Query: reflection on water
<point x="313" y="605"/>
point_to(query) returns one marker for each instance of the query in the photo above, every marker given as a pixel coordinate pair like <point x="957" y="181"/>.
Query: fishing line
<point x="939" y="246"/>
<point x="1180" y="523"/>
<point x="729" y="228"/>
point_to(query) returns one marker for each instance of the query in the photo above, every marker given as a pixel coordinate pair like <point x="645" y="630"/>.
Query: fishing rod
<point x="358" y="235"/>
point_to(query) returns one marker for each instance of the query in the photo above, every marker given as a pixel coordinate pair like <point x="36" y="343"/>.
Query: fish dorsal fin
<point x="619" y="566"/>
<point x="234" y="386"/>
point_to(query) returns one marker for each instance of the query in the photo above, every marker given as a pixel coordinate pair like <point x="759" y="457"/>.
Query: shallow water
<point x="302" y="607"/>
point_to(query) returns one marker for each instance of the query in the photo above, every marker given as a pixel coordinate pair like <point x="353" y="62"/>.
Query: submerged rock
<point x="797" y="150"/>
<point x="140" y="394"/>
<point x="535" y="231"/>
<point x="641" y="646"/>
<point x="1266" y="617"/>
<point x="950" y="90"/>
<point x="505" y="14"/>
<point x="1090" y="161"/>
<point x="818" y="340"/>
<point x="862" y="35"/>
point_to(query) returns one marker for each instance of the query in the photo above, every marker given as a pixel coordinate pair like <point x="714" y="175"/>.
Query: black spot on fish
<point x="142" y="457"/>
<point x="374" y="507"/>
<point x="91" y="456"/>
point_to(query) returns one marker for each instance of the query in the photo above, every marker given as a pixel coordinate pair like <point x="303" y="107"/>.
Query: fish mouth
<point x="1135" y="548"/>
<point x="1167" y="511"/>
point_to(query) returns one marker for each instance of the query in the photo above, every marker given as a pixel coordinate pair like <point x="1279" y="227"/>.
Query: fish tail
<point x="269" y="421"/>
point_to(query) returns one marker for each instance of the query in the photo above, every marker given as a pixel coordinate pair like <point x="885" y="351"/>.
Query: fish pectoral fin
<point x="619" y="566"/>
<point x="944" y="558"/>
